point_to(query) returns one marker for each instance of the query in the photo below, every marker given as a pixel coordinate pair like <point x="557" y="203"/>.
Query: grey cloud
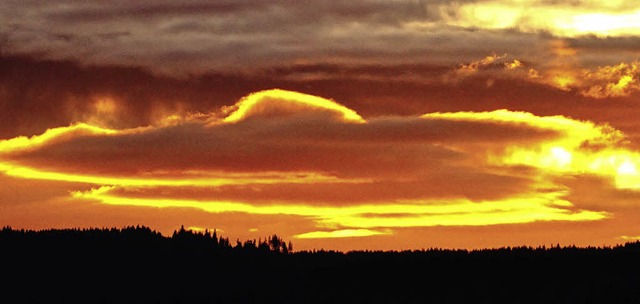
<point x="196" y="36"/>
<point x="302" y="141"/>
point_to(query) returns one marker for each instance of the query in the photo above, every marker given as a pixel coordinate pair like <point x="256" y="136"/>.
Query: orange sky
<point x="368" y="125"/>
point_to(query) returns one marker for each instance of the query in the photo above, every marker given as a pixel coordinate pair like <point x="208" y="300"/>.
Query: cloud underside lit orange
<point x="286" y="153"/>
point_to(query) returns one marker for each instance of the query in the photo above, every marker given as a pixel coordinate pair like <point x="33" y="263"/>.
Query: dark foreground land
<point x="138" y="265"/>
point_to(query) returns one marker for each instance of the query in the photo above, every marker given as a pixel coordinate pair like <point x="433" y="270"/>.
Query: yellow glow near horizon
<point x="454" y="212"/>
<point x="632" y="238"/>
<point x="619" y="164"/>
<point x="344" y="233"/>
<point x="566" y="153"/>
<point x="203" y="229"/>
<point x="250" y="102"/>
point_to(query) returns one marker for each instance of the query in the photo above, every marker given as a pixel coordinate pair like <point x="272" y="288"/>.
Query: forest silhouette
<point x="139" y="265"/>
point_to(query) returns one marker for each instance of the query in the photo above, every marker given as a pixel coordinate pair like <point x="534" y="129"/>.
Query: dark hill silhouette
<point x="139" y="265"/>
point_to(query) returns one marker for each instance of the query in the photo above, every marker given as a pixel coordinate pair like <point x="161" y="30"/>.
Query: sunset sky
<point x="344" y="125"/>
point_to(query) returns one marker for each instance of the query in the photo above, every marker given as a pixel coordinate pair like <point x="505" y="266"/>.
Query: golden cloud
<point x="473" y="67"/>
<point x="562" y="71"/>
<point x="285" y="153"/>
<point x="279" y="102"/>
<point x="612" y="81"/>
<point x="584" y="148"/>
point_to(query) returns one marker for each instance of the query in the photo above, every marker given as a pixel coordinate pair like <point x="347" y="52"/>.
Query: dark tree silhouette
<point x="138" y="265"/>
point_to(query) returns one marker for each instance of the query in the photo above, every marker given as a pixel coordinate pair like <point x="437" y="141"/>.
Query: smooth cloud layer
<point x="245" y="36"/>
<point x="282" y="153"/>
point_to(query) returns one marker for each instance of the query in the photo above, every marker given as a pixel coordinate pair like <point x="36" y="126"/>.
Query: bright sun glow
<point x="537" y="16"/>
<point x="559" y="157"/>
<point x="567" y="153"/>
<point x="602" y="24"/>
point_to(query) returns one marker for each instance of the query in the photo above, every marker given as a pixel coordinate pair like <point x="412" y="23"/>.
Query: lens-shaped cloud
<point x="286" y="153"/>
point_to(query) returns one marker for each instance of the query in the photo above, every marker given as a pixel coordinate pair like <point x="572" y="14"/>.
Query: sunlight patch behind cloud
<point x="584" y="148"/>
<point x="564" y="20"/>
